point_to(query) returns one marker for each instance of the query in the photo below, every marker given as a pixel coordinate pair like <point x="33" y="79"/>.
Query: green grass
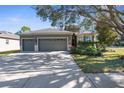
<point x="8" y="52"/>
<point x="109" y="62"/>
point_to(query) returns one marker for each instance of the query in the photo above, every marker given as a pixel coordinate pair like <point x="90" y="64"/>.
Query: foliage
<point x="73" y="28"/>
<point x="95" y="44"/>
<point x="76" y="50"/>
<point x="68" y="14"/>
<point x="18" y="33"/>
<point x="86" y="23"/>
<point x="109" y="62"/>
<point x="8" y="52"/>
<point x="106" y="36"/>
<point x="89" y="50"/>
<point x="88" y="43"/>
<point x="25" y="29"/>
<point x="92" y="51"/>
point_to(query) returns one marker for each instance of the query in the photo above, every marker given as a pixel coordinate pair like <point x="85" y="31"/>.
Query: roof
<point x="87" y="33"/>
<point x="8" y="35"/>
<point x="5" y="32"/>
<point x="48" y="31"/>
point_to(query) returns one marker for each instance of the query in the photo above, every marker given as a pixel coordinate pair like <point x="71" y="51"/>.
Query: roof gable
<point x="8" y="35"/>
<point x="48" y="31"/>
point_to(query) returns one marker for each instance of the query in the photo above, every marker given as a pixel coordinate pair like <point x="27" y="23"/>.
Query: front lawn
<point x="8" y="52"/>
<point x="109" y="62"/>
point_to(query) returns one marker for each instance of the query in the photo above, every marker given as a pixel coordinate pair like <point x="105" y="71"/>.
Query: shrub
<point x="75" y="50"/>
<point x="92" y="51"/>
<point x="89" y="43"/>
<point x="88" y="48"/>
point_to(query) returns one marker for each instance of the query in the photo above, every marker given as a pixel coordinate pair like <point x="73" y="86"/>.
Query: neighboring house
<point x="46" y="40"/>
<point x="8" y="41"/>
<point x="87" y="36"/>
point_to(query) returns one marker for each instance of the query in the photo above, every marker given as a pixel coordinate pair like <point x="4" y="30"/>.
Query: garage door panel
<point x="52" y="44"/>
<point x="28" y="44"/>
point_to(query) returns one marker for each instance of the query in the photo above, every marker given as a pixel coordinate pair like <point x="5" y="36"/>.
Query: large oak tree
<point x="61" y="15"/>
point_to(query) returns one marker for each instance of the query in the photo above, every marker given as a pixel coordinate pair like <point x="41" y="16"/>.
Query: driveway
<point x="41" y="70"/>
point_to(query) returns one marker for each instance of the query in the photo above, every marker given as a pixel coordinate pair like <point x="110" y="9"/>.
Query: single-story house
<point x="46" y="40"/>
<point x="8" y="41"/>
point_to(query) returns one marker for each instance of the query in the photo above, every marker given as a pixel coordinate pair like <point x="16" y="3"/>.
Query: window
<point x="87" y="38"/>
<point x="7" y="41"/>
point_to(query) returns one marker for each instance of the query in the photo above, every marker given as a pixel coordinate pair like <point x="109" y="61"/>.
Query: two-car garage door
<point x="45" y="44"/>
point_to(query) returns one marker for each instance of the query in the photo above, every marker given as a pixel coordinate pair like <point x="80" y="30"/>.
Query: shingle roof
<point x="8" y="35"/>
<point x="88" y="33"/>
<point x="48" y="31"/>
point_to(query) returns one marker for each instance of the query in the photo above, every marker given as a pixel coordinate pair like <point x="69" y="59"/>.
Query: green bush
<point x="88" y="43"/>
<point x="92" y="51"/>
<point x="75" y="50"/>
<point x="88" y="48"/>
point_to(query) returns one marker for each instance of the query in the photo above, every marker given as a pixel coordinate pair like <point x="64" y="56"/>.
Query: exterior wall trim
<point x="67" y="44"/>
<point x="51" y="37"/>
<point x="9" y="38"/>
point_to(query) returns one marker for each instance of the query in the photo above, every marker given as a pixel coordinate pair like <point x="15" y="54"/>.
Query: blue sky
<point x="12" y="18"/>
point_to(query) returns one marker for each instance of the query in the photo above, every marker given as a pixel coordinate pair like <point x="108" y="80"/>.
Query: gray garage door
<point x="52" y="44"/>
<point x="28" y="44"/>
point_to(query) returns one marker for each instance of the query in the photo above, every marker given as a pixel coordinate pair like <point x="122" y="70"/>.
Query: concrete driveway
<point x="107" y="80"/>
<point x="41" y="70"/>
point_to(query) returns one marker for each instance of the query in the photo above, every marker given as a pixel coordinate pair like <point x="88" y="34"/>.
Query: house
<point x="87" y="36"/>
<point x="8" y="41"/>
<point x="46" y="40"/>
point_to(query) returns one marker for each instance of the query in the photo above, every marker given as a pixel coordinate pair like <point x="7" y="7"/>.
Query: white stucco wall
<point x="12" y="45"/>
